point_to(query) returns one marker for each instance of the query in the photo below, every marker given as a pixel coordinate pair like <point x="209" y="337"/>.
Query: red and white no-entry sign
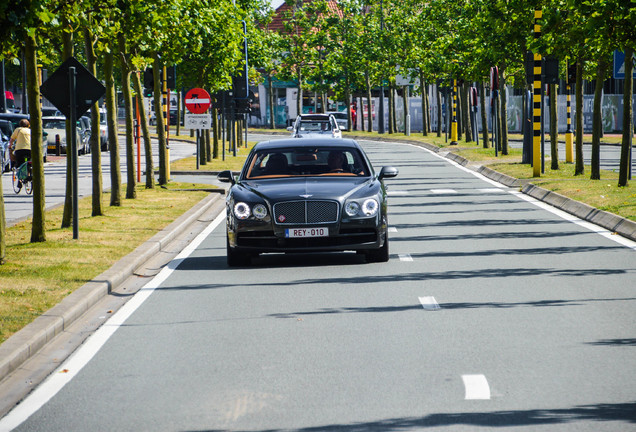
<point x="197" y="101"/>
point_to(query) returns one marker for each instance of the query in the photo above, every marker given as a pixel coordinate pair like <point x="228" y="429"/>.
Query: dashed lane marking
<point x="429" y="303"/>
<point x="405" y="257"/>
<point x="443" y="191"/>
<point x="476" y="387"/>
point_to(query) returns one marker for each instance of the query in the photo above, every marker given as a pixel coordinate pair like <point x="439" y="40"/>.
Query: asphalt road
<point x="19" y="206"/>
<point x="493" y="313"/>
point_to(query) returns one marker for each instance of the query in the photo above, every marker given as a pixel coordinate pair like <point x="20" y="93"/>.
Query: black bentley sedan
<point x="307" y="195"/>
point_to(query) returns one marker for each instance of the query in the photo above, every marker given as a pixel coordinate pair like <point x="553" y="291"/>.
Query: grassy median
<point x="36" y="276"/>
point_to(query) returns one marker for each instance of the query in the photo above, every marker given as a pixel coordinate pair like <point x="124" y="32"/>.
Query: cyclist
<point x="20" y="142"/>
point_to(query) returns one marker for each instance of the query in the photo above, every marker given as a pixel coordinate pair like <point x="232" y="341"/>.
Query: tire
<point x="235" y="258"/>
<point x="381" y="254"/>
<point x="14" y="180"/>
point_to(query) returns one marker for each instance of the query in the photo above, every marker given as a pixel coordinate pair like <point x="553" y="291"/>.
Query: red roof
<point x="278" y="21"/>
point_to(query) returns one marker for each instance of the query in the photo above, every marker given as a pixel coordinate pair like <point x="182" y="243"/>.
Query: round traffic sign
<point x="197" y="101"/>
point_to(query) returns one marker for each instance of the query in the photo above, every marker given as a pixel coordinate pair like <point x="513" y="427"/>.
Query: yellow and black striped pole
<point x="536" y="102"/>
<point x="454" y="115"/>
<point x="166" y="118"/>
<point x="569" y="136"/>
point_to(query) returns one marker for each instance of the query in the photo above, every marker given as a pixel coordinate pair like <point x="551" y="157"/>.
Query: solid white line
<point x="396" y="193"/>
<point x="476" y="387"/>
<point x="70" y="368"/>
<point x="444" y="191"/>
<point x="405" y="257"/>
<point x="491" y="190"/>
<point x="429" y="303"/>
<point x="580" y="222"/>
<point x="564" y="215"/>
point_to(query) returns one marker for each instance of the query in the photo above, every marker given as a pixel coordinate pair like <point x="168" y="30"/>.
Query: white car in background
<point x="56" y="127"/>
<point x="315" y="126"/>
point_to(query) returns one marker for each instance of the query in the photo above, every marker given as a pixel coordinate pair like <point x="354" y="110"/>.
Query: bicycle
<point x="23" y="177"/>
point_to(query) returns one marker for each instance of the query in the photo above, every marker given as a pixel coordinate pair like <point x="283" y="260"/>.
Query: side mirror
<point x="388" y="172"/>
<point x="290" y="128"/>
<point x="225" y="177"/>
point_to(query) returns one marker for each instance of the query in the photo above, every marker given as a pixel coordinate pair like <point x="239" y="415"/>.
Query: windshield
<point x="53" y="124"/>
<point x="314" y="126"/>
<point x="328" y="161"/>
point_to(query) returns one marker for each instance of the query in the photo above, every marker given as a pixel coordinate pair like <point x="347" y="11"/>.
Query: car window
<point x="314" y="126"/>
<point x="53" y="124"/>
<point x="307" y="162"/>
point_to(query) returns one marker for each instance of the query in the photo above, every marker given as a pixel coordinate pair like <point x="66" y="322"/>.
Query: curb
<point x="25" y="343"/>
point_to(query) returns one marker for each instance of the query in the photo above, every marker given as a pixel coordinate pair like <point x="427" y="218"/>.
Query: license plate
<point x="306" y="232"/>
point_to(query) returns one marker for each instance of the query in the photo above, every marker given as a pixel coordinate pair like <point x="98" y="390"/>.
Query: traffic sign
<point x="619" y="65"/>
<point x="197" y="101"/>
<point x="197" y="121"/>
<point x="56" y="88"/>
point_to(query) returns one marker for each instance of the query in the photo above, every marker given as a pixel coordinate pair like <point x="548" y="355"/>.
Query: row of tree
<point x="330" y="47"/>
<point x="360" y="45"/>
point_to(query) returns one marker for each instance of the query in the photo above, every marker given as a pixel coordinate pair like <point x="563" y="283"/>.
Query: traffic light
<point x="572" y="73"/>
<point x="550" y="70"/>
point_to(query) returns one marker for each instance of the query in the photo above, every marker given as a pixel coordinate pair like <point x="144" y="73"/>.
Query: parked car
<point x="56" y="126"/>
<point x="315" y="126"/>
<point x="341" y="119"/>
<point x="305" y="196"/>
<point x="103" y="130"/>
<point x="14" y="119"/>
<point x="6" y="129"/>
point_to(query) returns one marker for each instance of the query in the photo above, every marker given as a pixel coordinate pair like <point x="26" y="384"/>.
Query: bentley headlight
<point x="259" y="211"/>
<point x="370" y="207"/>
<point x="352" y="208"/>
<point x="242" y="210"/>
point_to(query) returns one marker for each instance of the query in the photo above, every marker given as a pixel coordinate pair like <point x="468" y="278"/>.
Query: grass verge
<point x="37" y="276"/>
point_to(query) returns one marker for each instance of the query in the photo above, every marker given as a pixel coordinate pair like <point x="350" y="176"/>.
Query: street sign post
<point x="72" y="89"/>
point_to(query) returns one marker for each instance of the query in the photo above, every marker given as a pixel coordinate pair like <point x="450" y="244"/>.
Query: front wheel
<point x="381" y="254"/>
<point x="17" y="185"/>
<point x="235" y="258"/>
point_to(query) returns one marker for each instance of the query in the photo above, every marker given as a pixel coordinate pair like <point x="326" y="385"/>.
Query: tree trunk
<point x="367" y="82"/>
<point x="405" y="105"/>
<point x="503" y="119"/>
<point x="391" y="107"/>
<point x="597" y="123"/>
<point x="67" y="214"/>
<point x="299" y="99"/>
<point x="579" y="168"/>
<point x="439" y="111"/>
<point x="554" y="128"/>
<point x="215" y="133"/>
<point x="150" y="168"/>
<point x="628" y="127"/>
<point x="160" y="121"/>
<point x="179" y="109"/>
<point x="424" y="105"/>
<point x="94" y="142"/>
<point x="111" y="124"/>
<point x="484" y="116"/>
<point x="466" y="111"/>
<point x="38" y="231"/>
<point x="272" y="109"/>
<point x="131" y="181"/>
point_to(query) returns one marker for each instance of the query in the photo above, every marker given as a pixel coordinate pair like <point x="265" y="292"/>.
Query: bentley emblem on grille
<point x="305" y="196"/>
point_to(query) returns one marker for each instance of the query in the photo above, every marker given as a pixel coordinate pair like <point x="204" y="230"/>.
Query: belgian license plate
<point x="306" y="232"/>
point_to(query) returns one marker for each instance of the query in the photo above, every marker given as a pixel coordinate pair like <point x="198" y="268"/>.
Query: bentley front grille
<point x="305" y="212"/>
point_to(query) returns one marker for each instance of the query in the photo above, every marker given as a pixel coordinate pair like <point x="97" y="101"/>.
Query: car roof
<point x="306" y="143"/>
<point x="314" y="117"/>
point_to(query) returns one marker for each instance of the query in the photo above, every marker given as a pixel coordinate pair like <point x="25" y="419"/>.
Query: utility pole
<point x="454" y="115"/>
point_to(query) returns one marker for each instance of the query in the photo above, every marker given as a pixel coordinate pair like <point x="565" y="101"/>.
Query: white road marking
<point x="393" y="229"/>
<point x="429" y="303"/>
<point x="564" y="215"/>
<point x="476" y="387"/>
<point x="397" y="192"/>
<point x="70" y="368"/>
<point x="444" y="191"/>
<point x="491" y="190"/>
<point x="405" y="257"/>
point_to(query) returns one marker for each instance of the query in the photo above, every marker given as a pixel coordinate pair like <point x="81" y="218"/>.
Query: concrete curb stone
<point x="26" y="342"/>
